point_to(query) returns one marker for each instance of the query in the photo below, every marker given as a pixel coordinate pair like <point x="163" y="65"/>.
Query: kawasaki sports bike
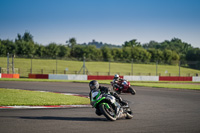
<point x="109" y="106"/>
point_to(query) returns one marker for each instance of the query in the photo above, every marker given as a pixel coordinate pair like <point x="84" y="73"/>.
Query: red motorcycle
<point x="123" y="86"/>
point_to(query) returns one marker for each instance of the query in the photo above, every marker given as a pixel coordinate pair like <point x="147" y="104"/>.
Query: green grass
<point x="191" y="86"/>
<point x="11" y="97"/>
<point x="48" y="66"/>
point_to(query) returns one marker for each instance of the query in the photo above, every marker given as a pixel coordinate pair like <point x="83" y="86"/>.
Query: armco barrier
<point x="196" y="79"/>
<point x="101" y="77"/>
<point x="142" y="78"/>
<point x="168" y="78"/>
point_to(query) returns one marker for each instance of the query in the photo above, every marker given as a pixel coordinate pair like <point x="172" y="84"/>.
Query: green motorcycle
<point x="109" y="106"/>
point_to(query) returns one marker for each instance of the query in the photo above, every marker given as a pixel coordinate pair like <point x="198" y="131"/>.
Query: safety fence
<point x="24" y="66"/>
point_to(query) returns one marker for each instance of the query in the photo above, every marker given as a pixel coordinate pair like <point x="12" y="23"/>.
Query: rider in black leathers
<point x="94" y="86"/>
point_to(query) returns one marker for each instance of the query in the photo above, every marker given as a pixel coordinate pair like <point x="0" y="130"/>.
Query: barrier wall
<point x="16" y="76"/>
<point x="39" y="76"/>
<point x="67" y="77"/>
<point x="174" y="78"/>
<point x="101" y="77"/>
<point x="32" y="76"/>
<point x="77" y="77"/>
<point x="3" y="75"/>
<point x="142" y="78"/>
<point x="58" y="76"/>
<point x="196" y="79"/>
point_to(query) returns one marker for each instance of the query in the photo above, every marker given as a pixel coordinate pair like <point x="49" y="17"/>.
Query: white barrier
<point x="196" y="79"/>
<point x="58" y="76"/>
<point x="67" y="77"/>
<point x="142" y="78"/>
<point x="0" y="75"/>
<point x="77" y="77"/>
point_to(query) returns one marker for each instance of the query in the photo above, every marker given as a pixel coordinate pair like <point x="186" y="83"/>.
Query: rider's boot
<point x="124" y="103"/>
<point x="120" y="100"/>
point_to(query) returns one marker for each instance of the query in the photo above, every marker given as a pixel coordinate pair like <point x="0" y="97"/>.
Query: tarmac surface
<point x="156" y="110"/>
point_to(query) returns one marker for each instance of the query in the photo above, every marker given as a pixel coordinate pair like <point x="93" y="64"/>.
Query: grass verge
<point x="12" y="97"/>
<point x="175" y="85"/>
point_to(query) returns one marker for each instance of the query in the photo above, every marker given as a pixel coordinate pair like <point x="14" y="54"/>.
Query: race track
<point x="156" y="110"/>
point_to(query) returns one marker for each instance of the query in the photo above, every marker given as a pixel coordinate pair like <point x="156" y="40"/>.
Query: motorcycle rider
<point x="116" y="81"/>
<point x="94" y="89"/>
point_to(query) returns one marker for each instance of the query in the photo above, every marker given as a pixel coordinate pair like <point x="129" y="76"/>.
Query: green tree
<point x="106" y="53"/>
<point x="127" y="54"/>
<point x="72" y="43"/>
<point x="26" y="49"/>
<point x="8" y="46"/>
<point x="64" y="51"/>
<point x="152" y="44"/>
<point x="2" y="49"/>
<point x="39" y="50"/>
<point x="140" y="54"/>
<point x="52" y="50"/>
<point x="193" y="58"/>
<point x="117" y="54"/>
<point x="156" y="54"/>
<point x="131" y="43"/>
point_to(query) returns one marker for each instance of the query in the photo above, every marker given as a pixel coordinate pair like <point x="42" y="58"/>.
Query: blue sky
<point x="108" y="21"/>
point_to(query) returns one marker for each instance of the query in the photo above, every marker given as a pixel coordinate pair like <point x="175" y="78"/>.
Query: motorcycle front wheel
<point x="132" y="91"/>
<point x="108" y="113"/>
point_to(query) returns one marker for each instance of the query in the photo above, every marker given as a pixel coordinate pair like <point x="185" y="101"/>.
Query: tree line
<point x="167" y="51"/>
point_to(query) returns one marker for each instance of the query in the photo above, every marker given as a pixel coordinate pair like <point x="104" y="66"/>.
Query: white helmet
<point x="116" y="76"/>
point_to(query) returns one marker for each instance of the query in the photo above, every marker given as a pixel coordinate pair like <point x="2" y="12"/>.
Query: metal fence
<point x="24" y="66"/>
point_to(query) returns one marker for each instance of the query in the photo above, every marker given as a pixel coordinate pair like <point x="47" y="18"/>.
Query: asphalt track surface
<point x="156" y="110"/>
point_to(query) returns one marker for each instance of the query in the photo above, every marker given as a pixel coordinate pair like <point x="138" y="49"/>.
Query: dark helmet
<point x="94" y="85"/>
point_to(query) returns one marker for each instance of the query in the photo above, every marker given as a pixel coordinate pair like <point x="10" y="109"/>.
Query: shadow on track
<point x="65" y="118"/>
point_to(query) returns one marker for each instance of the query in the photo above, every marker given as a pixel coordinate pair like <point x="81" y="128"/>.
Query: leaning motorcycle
<point x="125" y="87"/>
<point x="108" y="105"/>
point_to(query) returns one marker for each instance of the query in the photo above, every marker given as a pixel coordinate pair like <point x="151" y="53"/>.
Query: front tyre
<point x="132" y="91"/>
<point x="108" y="113"/>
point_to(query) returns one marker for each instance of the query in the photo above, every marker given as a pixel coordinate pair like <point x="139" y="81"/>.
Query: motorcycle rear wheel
<point x="129" y="115"/>
<point x="108" y="113"/>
